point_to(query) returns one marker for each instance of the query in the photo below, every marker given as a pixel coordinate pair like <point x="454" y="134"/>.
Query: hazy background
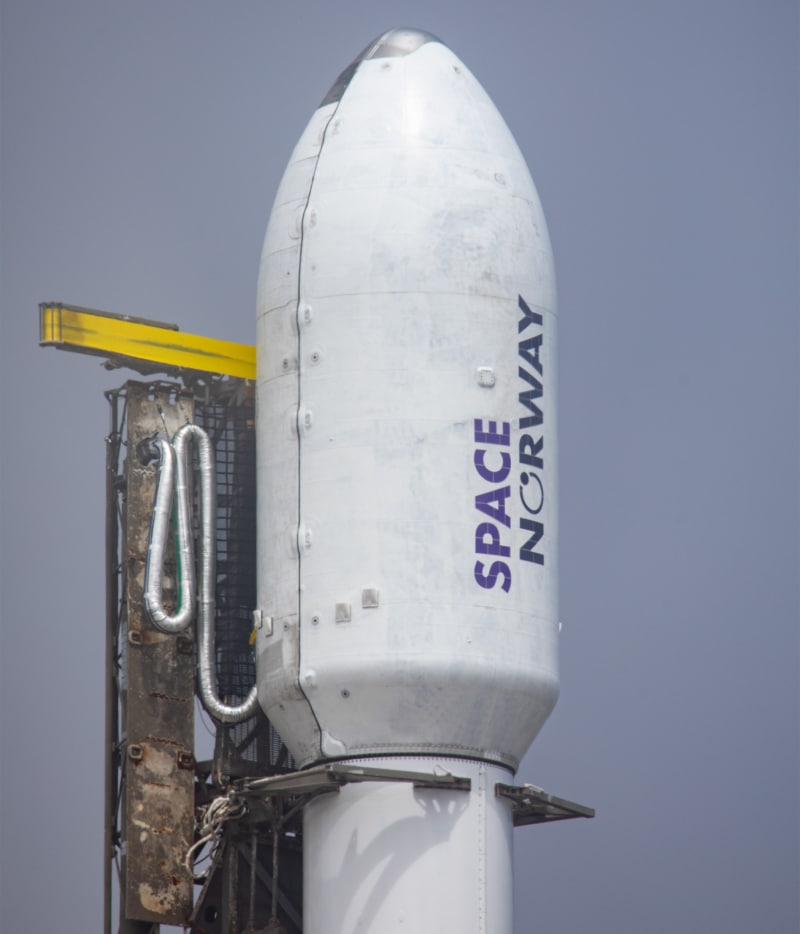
<point x="142" y="144"/>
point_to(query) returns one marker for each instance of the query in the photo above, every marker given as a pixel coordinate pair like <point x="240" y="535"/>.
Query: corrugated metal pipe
<point x="173" y="484"/>
<point x="159" y="533"/>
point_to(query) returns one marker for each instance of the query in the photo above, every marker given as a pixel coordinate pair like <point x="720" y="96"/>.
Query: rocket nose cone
<point x="397" y="42"/>
<point x="394" y="43"/>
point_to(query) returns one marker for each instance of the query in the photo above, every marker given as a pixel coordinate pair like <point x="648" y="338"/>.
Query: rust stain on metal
<point x="160" y="901"/>
<point x="166" y="741"/>
<point x="160" y="695"/>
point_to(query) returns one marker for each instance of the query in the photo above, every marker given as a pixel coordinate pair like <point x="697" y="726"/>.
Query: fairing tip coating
<point x="394" y="43"/>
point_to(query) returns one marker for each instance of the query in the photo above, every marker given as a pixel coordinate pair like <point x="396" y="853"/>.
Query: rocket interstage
<point x="407" y="485"/>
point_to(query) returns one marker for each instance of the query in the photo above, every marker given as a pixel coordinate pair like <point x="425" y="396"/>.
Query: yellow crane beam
<point x="138" y="343"/>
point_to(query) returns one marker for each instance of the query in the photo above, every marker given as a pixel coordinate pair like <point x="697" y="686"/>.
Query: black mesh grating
<point x="252" y="746"/>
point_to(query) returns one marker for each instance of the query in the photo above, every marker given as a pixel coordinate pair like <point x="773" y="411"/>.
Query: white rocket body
<point x="407" y="484"/>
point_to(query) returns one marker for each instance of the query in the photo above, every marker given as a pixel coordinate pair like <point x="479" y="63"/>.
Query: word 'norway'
<point x="493" y="465"/>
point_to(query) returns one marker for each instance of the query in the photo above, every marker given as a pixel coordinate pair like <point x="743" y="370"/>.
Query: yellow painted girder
<point x="130" y="341"/>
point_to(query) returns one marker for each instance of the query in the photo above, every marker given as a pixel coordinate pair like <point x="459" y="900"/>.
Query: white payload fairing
<point x="407" y="487"/>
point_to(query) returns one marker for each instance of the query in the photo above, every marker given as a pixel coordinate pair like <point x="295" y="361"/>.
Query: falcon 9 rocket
<point x="407" y="486"/>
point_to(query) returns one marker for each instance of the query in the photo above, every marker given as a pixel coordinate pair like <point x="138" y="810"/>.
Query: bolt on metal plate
<point x="185" y="760"/>
<point x="185" y="646"/>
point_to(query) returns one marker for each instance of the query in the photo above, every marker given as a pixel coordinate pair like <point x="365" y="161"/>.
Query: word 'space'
<point x="492" y="459"/>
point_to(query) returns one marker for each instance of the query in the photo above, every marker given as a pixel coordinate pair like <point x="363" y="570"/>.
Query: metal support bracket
<point x="532" y="805"/>
<point x="323" y="778"/>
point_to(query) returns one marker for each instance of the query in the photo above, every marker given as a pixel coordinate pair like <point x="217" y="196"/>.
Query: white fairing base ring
<point x="407" y="466"/>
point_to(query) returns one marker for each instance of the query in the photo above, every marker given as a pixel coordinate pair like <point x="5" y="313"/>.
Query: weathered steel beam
<point x="158" y="700"/>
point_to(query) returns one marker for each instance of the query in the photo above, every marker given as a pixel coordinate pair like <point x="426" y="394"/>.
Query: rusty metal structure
<point x="157" y="786"/>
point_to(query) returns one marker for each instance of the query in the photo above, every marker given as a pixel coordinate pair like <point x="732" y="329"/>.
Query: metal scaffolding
<point x="157" y="793"/>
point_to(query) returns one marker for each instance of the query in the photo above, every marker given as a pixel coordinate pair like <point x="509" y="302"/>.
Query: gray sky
<point x="142" y="143"/>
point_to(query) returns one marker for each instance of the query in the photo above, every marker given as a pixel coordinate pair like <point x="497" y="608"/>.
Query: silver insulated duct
<point x="196" y="591"/>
